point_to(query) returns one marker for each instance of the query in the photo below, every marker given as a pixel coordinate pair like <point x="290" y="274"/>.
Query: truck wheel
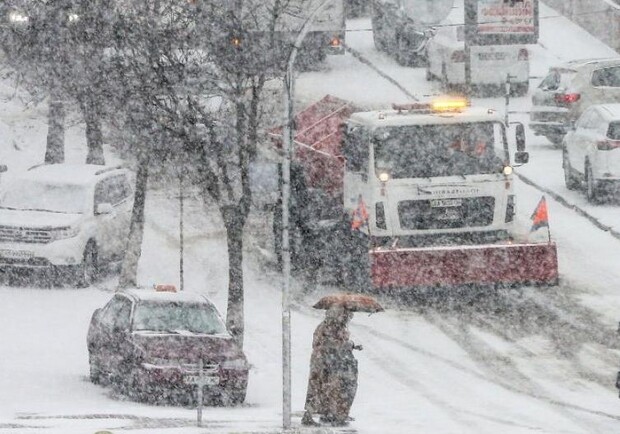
<point x="376" y="32"/>
<point x="592" y="192"/>
<point x="235" y="396"/>
<point x="95" y="369"/>
<point x="519" y="89"/>
<point x="88" y="271"/>
<point x="445" y="84"/>
<point x="570" y="179"/>
<point x="429" y="75"/>
<point x="354" y="270"/>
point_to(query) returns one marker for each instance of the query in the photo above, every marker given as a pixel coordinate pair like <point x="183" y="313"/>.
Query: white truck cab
<point x="433" y="173"/>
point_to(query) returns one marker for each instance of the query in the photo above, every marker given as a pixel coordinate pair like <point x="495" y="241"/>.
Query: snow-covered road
<point x="512" y="361"/>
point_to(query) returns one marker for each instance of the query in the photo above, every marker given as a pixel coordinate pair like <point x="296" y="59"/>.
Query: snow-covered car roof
<point x="610" y="111"/>
<point x="393" y="118"/>
<point x="588" y="63"/>
<point x="78" y="174"/>
<point x="150" y="294"/>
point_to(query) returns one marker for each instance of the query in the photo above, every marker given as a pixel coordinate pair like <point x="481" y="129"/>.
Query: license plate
<point x="445" y="203"/>
<point x="491" y="56"/>
<point x="16" y="254"/>
<point x="204" y="380"/>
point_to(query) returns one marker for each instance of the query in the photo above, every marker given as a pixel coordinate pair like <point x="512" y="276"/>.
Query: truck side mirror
<point x="520" y="137"/>
<point x="522" y="157"/>
<point x="3" y="168"/>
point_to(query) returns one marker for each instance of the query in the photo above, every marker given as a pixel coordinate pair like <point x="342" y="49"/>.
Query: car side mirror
<point x="522" y="157"/>
<point x="3" y="168"/>
<point x="520" y="137"/>
<point x="104" y="208"/>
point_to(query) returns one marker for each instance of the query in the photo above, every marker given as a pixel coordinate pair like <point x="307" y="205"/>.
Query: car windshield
<point x="175" y="317"/>
<point x="424" y="151"/>
<point x="40" y="196"/>
<point x="614" y="131"/>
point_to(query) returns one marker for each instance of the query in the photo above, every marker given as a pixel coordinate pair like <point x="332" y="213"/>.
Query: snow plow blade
<point x="489" y="264"/>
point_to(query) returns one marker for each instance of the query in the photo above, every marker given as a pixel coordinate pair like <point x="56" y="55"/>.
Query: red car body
<point x="153" y="344"/>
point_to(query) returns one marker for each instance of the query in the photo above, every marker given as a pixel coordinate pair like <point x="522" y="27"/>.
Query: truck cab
<point x="430" y="174"/>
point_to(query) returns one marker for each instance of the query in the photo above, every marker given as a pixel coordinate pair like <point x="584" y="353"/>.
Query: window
<point x="614" y="131"/>
<point x="177" y="316"/>
<point x="424" y="151"/>
<point x="606" y="77"/>
<point x="112" y="190"/>
<point x="116" y="314"/>
<point x="551" y="81"/>
<point x="355" y="149"/>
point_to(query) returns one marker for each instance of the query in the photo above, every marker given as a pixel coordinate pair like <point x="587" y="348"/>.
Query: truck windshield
<point x="423" y="151"/>
<point x="176" y="317"/>
<point x="40" y="196"/>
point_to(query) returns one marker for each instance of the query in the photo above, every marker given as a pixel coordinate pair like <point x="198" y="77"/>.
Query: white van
<point x="490" y="64"/>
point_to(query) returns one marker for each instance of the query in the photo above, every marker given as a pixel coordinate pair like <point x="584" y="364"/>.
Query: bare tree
<point x="57" y="48"/>
<point x="200" y="70"/>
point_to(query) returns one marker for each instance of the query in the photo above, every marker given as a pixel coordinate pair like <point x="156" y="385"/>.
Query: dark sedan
<point x="152" y="344"/>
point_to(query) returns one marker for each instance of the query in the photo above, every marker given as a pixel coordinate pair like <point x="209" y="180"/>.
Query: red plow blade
<point x="489" y="264"/>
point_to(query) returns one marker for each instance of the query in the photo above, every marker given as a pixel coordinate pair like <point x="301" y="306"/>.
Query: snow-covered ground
<point x="513" y="361"/>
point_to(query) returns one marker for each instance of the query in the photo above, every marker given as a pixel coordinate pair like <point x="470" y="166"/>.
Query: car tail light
<point x="567" y="98"/>
<point x="607" y="145"/>
<point x="335" y="42"/>
<point x="458" y="56"/>
<point x="523" y="54"/>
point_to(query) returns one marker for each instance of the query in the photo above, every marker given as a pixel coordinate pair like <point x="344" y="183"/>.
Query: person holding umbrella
<point x="332" y="383"/>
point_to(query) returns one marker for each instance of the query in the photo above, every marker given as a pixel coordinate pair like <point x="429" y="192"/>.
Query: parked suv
<point x="158" y="343"/>
<point x="66" y="218"/>
<point x="591" y="151"/>
<point x="569" y="89"/>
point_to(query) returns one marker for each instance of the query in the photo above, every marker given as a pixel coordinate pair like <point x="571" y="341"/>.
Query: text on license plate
<point x="444" y="203"/>
<point x="16" y="254"/>
<point x="204" y="380"/>
<point x="491" y="56"/>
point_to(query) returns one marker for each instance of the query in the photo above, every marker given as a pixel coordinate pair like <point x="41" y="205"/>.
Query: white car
<point x="70" y="219"/>
<point x="591" y="151"/>
<point x="490" y="64"/>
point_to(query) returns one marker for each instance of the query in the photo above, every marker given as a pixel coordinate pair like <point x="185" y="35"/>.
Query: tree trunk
<point x="234" y="222"/>
<point x="94" y="137"/>
<point x="55" y="149"/>
<point x="129" y="271"/>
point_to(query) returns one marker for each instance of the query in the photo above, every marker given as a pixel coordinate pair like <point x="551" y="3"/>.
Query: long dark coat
<point x="333" y="371"/>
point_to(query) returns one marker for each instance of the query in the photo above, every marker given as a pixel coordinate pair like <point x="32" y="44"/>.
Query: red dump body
<point x="318" y="139"/>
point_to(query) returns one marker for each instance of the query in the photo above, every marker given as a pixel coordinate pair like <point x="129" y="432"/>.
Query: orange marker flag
<point x="360" y="214"/>
<point x="540" y="217"/>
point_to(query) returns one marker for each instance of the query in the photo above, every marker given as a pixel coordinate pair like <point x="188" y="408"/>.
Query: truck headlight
<point x="16" y="17"/>
<point x="64" y="233"/>
<point x="384" y="177"/>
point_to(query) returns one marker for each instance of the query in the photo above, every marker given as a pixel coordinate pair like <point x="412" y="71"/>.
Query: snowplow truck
<point x="417" y="196"/>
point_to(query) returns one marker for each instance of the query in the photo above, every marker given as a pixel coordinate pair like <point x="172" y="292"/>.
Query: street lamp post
<point x="287" y="144"/>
